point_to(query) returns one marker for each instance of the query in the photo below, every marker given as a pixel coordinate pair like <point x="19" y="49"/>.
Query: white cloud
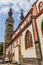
<point x="17" y="5"/>
<point x="4" y="10"/>
<point x="4" y="1"/>
<point x="32" y="1"/>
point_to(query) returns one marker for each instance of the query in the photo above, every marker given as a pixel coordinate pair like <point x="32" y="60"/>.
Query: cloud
<point x="32" y="1"/>
<point x="16" y="5"/>
<point x="4" y="1"/>
<point x="4" y="10"/>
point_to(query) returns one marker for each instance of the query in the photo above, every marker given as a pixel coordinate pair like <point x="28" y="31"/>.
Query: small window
<point x="42" y="28"/>
<point x="9" y="25"/>
<point x="28" y="40"/>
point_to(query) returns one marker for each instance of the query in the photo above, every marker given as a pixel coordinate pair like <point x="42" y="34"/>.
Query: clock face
<point x="40" y="6"/>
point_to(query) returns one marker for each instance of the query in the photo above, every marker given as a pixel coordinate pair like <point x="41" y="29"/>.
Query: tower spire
<point x="10" y="12"/>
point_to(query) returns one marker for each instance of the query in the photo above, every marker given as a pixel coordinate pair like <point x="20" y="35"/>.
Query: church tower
<point x="9" y="26"/>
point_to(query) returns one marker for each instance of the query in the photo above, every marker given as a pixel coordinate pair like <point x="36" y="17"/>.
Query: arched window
<point x="40" y="6"/>
<point x="28" y="40"/>
<point x="42" y="27"/>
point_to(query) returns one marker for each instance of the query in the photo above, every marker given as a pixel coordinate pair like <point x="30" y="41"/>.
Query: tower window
<point x="42" y="27"/>
<point x="9" y="25"/>
<point x="28" y="40"/>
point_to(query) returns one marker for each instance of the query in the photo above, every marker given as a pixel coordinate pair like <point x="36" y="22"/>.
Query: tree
<point x="1" y="48"/>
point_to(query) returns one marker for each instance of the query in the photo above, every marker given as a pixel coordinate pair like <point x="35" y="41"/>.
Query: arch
<point x="40" y="6"/>
<point x="28" y="39"/>
<point x="42" y="27"/>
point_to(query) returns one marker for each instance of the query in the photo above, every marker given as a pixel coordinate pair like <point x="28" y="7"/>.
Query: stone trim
<point x="32" y="61"/>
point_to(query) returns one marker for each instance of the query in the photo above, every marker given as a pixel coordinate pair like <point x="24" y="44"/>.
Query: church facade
<point x="26" y="46"/>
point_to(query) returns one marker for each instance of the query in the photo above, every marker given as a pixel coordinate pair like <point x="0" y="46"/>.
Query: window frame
<point x="28" y="44"/>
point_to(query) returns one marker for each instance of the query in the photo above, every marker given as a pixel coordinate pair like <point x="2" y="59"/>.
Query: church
<point x="25" y="44"/>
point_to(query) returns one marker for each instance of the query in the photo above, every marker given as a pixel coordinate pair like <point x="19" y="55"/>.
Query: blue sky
<point x="17" y="7"/>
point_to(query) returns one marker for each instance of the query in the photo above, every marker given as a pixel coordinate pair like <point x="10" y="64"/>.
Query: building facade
<point x="27" y="41"/>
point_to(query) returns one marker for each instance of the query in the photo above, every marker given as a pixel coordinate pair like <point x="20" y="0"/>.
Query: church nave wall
<point x="29" y="52"/>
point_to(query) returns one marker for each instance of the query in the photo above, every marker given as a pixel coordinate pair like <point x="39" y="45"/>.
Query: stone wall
<point x="42" y="62"/>
<point x="29" y="61"/>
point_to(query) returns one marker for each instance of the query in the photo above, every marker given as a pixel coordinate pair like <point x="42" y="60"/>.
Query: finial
<point x="22" y="13"/>
<point x="10" y="12"/>
<point x="22" y="16"/>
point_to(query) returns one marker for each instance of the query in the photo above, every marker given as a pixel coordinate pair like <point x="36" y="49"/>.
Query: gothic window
<point x="42" y="28"/>
<point x="40" y="6"/>
<point x="28" y="40"/>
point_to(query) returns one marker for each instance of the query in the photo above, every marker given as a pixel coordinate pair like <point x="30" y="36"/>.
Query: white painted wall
<point x="13" y="51"/>
<point x="16" y="54"/>
<point x="13" y="45"/>
<point x="39" y="22"/>
<point x="30" y="52"/>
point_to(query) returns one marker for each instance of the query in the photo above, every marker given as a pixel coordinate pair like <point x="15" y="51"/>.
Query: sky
<point x="17" y="7"/>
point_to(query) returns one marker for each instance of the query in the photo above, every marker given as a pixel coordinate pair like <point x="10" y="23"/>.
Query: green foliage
<point x="1" y="48"/>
